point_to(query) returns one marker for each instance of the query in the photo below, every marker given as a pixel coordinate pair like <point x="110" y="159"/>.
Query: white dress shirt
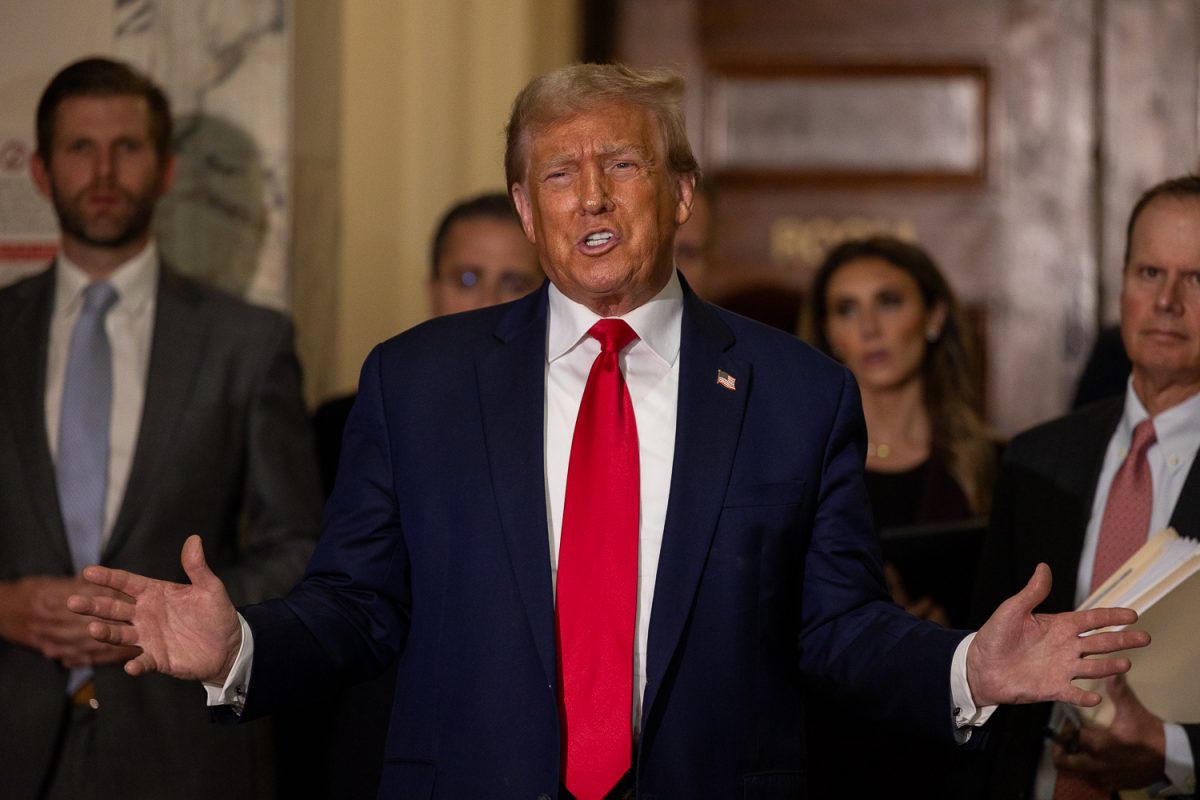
<point x="651" y="369"/>
<point x="130" y="328"/>
<point x="1177" y="433"/>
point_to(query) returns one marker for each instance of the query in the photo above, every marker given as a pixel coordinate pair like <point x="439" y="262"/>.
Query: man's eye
<point x="844" y="309"/>
<point x="468" y="279"/>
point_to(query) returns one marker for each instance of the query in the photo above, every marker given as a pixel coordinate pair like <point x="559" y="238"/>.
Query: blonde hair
<point x="565" y="92"/>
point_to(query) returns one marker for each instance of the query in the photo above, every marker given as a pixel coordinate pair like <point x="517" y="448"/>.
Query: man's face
<point x="602" y="208"/>
<point x="484" y="261"/>
<point x="1160" y="299"/>
<point x="102" y="174"/>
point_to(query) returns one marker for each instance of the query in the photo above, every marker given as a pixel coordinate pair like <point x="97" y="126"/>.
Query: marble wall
<point x="226" y="67"/>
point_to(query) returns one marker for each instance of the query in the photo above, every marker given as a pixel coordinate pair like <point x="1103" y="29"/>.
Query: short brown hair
<point x="1181" y="188"/>
<point x="570" y="90"/>
<point x="102" y="77"/>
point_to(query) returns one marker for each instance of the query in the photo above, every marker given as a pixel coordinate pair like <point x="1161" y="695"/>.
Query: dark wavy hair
<point x="952" y="401"/>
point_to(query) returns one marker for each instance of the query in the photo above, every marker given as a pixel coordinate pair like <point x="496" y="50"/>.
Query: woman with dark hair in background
<point x="883" y="308"/>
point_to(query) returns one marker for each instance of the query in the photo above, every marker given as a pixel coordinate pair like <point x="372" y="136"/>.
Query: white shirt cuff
<point x="1179" y="768"/>
<point x="966" y="714"/>
<point x="233" y="692"/>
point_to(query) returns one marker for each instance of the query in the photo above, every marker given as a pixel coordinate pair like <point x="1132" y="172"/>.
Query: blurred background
<point x="321" y="139"/>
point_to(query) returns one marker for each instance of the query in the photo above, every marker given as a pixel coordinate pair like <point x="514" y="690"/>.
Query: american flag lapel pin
<point x="726" y="380"/>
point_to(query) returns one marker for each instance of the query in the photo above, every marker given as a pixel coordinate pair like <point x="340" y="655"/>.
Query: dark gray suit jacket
<point x="225" y="451"/>
<point x="1040" y="513"/>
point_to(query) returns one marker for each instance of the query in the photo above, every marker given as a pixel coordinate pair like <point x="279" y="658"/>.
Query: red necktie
<point x="1126" y="520"/>
<point x="1123" y="529"/>
<point x="597" y="576"/>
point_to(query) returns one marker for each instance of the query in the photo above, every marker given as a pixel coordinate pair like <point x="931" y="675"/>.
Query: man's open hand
<point x="1022" y="657"/>
<point x="188" y="631"/>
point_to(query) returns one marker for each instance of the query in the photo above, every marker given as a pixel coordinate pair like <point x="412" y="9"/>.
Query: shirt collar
<point x="657" y="322"/>
<point x="135" y="281"/>
<point x="1176" y="430"/>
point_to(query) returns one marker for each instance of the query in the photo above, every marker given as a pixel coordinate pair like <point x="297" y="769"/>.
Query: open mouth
<point x="598" y="242"/>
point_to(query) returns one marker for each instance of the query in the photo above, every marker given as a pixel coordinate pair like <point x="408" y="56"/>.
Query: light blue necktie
<point x="82" y="466"/>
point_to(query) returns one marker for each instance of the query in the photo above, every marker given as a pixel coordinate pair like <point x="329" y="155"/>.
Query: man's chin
<point x="110" y="237"/>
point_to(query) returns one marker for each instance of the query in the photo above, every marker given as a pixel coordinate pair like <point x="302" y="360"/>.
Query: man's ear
<point x="39" y="170"/>
<point x="168" y="174"/>
<point x="685" y="188"/>
<point x="524" y="211"/>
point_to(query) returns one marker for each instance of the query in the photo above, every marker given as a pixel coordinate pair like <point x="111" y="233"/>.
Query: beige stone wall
<point x="400" y="110"/>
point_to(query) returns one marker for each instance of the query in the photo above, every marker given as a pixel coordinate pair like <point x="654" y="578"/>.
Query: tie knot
<point x="1143" y="436"/>
<point x="99" y="297"/>
<point x="612" y="334"/>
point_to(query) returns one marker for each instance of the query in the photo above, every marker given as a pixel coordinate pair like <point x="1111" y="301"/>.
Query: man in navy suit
<point x="757" y="568"/>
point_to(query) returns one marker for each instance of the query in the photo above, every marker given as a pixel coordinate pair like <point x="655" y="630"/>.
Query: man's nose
<point x="1169" y="295"/>
<point x="593" y="191"/>
<point x="105" y="162"/>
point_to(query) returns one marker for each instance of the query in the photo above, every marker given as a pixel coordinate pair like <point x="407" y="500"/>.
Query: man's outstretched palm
<point x="1022" y="657"/>
<point x="188" y="631"/>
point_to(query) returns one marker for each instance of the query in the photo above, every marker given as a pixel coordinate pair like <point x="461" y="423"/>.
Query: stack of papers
<point x="1159" y="582"/>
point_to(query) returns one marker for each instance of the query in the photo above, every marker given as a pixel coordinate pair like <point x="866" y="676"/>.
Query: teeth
<point x="597" y="239"/>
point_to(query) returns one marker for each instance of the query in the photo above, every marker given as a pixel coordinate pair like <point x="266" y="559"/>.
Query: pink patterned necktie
<point x="1123" y="529"/>
<point x="597" y="576"/>
<point x="1126" y="521"/>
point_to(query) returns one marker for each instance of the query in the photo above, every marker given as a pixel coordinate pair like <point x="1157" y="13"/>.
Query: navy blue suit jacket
<point x="435" y="546"/>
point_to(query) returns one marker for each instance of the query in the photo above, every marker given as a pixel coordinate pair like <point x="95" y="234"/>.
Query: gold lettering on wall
<point x="799" y="244"/>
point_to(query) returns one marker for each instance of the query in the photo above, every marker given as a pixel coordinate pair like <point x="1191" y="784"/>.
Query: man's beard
<point x="107" y="231"/>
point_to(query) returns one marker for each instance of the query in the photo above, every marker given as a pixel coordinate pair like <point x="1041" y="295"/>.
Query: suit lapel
<point x="181" y="328"/>
<point x="706" y="436"/>
<point x="26" y="338"/>
<point x="1186" y="517"/>
<point x="512" y="380"/>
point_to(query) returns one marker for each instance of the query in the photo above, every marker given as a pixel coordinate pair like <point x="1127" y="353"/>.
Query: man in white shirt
<point x="1058" y="482"/>
<point x="660" y="642"/>
<point x="136" y="407"/>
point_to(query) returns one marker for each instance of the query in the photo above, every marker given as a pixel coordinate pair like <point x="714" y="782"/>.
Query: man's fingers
<point x="196" y="567"/>
<point x="1113" y="641"/>
<point x="1101" y="667"/>
<point x="1078" y="697"/>
<point x="1096" y="618"/>
<point x="101" y="606"/>
<point x="129" y="583"/>
<point x="140" y="665"/>
<point x="113" y="634"/>
<point x="1035" y="591"/>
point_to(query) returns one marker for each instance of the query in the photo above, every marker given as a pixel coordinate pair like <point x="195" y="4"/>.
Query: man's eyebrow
<point x="628" y="149"/>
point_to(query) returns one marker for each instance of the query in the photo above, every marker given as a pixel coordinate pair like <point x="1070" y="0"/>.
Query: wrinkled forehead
<point x="612" y="126"/>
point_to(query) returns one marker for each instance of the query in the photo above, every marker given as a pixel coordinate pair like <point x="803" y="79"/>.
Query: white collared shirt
<point x="130" y="328"/>
<point x="651" y="369"/>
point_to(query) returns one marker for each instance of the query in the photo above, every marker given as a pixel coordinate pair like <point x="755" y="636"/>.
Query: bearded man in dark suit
<point x="136" y="407"/>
